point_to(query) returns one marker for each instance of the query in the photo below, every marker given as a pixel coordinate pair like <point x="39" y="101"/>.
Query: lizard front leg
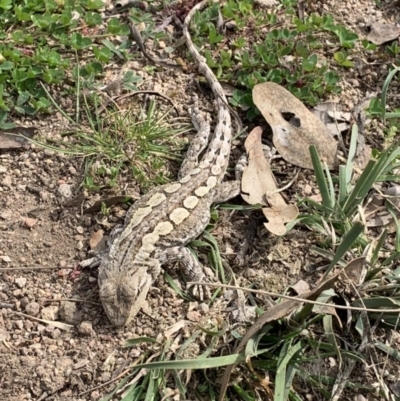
<point x="192" y="268"/>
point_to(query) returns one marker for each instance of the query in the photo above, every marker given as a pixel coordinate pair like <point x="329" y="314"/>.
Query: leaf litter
<point x="294" y="127"/>
<point x="259" y="186"/>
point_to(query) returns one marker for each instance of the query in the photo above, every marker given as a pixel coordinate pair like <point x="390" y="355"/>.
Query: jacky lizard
<point x="159" y="225"/>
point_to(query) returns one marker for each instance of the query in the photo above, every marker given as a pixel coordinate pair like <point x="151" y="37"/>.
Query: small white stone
<point x="21" y="282"/>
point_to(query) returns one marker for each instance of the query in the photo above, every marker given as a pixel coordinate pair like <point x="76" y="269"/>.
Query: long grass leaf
<point x="345" y="245"/>
<point x="330" y="335"/>
<point x="378" y="247"/>
<point x="198" y="363"/>
<point x="385" y="89"/>
<point x="393" y="212"/>
<point x="389" y="350"/>
<point x="320" y="177"/>
<point x="343" y="190"/>
<point x="370" y="175"/>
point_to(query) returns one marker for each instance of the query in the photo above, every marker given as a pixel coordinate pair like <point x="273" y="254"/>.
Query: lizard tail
<point x="217" y="155"/>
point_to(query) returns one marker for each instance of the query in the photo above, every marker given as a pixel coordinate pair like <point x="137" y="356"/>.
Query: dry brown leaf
<point x="258" y="186"/>
<point x="174" y="328"/>
<point x="301" y="287"/>
<point x="355" y="271"/>
<point x="294" y="127"/>
<point x="381" y="33"/>
<point x="331" y="114"/>
<point x="376" y="212"/>
<point x="76" y="201"/>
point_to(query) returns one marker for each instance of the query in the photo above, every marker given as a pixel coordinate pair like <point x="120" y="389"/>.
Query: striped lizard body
<point x="159" y="225"/>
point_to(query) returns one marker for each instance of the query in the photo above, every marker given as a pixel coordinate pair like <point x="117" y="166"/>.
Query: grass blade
<point x="320" y="177"/>
<point x="345" y="245"/>
<point x="385" y="89"/>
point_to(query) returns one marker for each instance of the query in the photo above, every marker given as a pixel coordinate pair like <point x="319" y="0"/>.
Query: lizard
<point x="162" y="222"/>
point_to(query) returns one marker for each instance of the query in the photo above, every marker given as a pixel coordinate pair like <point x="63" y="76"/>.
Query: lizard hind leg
<point x="191" y="267"/>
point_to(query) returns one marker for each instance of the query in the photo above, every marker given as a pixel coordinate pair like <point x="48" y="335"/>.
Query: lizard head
<point x="123" y="295"/>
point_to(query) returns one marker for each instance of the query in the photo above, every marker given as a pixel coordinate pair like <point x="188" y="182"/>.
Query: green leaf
<point x="23" y="98"/>
<point x="6" y="66"/>
<point x="114" y="26"/>
<point x="79" y="42"/>
<point x="385" y="89"/>
<point x="93" y="18"/>
<point x="347" y="38"/>
<point x="346" y="243"/>
<point x="93" y="4"/>
<point x="6" y="4"/>
<point x="330" y="335"/>
<point x="368" y="45"/>
<point x="42" y="21"/>
<point x="102" y="53"/>
<point x="310" y="63"/>
<point x="339" y="57"/>
<point x="322" y="182"/>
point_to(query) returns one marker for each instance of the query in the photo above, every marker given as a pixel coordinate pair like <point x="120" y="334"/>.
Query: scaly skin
<point x="162" y="222"/>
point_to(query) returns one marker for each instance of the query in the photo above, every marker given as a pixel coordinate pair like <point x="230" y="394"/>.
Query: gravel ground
<point x="42" y="361"/>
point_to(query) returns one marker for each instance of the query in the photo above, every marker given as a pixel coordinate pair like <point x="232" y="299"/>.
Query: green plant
<point x="40" y="41"/>
<point x="136" y="142"/>
<point x="342" y="60"/>
<point x="393" y="49"/>
<point x="378" y="106"/>
<point x="287" y="55"/>
<point x="341" y="199"/>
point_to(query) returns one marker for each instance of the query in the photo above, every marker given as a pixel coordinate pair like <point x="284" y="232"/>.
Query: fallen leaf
<point x="376" y="212"/>
<point x="355" y="271"/>
<point x="174" y="328"/>
<point x="258" y="186"/>
<point x="333" y="117"/>
<point x="76" y="201"/>
<point x="17" y="137"/>
<point x="294" y="127"/>
<point x="301" y="287"/>
<point x="381" y="33"/>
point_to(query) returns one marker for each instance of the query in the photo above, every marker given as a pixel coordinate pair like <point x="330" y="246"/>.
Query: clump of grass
<point x="136" y="141"/>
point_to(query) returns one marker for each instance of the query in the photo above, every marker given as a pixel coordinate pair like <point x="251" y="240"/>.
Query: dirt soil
<point x="42" y="243"/>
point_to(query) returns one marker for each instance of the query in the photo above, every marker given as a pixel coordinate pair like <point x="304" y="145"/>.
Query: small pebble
<point x="32" y="309"/>
<point x="21" y="282"/>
